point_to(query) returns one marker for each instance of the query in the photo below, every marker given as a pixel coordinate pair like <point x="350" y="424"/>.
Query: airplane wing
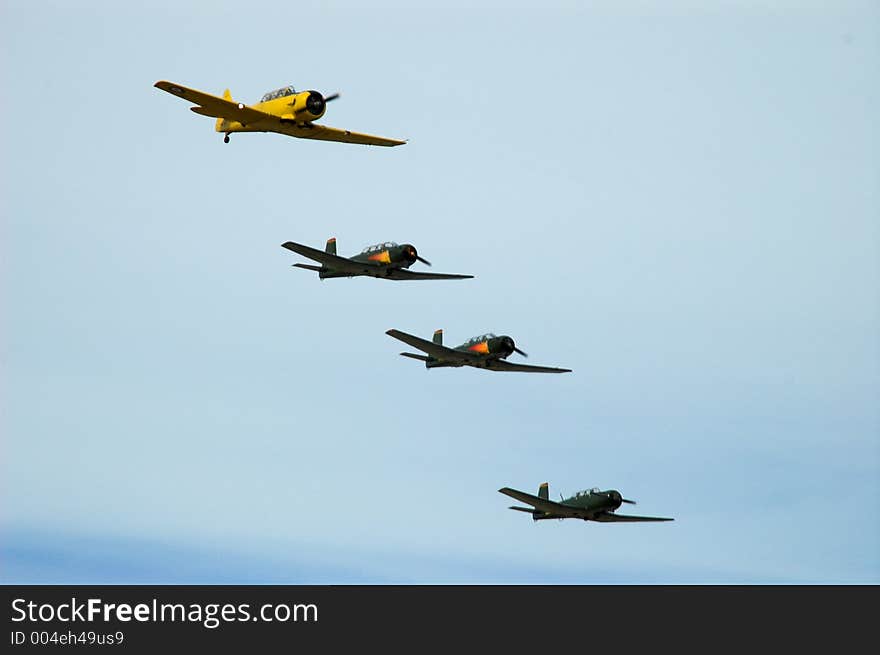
<point x="404" y="274"/>
<point x="325" y="133"/>
<point x="334" y="262"/>
<point x="503" y="365"/>
<point x="538" y="503"/>
<point x="215" y="106"/>
<point x="433" y="349"/>
<point x="611" y="517"/>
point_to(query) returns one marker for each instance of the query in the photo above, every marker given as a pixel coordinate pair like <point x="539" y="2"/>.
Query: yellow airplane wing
<point x="215" y="106"/>
<point x="324" y="133"/>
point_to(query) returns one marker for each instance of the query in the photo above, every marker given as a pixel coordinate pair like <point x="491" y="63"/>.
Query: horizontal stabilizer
<point x="308" y="267"/>
<point x="204" y="111"/>
<point x="421" y="358"/>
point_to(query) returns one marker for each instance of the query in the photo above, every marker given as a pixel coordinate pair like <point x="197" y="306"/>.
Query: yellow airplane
<point x="284" y="111"/>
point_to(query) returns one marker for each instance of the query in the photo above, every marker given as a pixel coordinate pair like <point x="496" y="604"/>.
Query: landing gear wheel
<point x="226" y="139"/>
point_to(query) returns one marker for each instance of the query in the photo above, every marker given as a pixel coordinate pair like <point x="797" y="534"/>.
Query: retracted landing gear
<point x="226" y="139"/>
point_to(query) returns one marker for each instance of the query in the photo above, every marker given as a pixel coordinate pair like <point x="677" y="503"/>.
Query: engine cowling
<point x="309" y="106"/>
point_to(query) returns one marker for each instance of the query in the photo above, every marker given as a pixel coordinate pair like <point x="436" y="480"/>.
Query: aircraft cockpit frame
<point x="379" y="247"/>
<point x="279" y="93"/>
<point x="481" y="338"/>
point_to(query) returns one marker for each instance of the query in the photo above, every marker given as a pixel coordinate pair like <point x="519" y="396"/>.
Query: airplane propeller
<point x="413" y="254"/>
<point x="315" y="102"/>
<point x="631" y="502"/>
<point x="511" y="348"/>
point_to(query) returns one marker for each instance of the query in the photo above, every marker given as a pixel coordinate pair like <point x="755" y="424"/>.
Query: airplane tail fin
<point x="218" y="126"/>
<point x="544" y="491"/>
<point x="438" y="337"/>
<point x="331" y="246"/>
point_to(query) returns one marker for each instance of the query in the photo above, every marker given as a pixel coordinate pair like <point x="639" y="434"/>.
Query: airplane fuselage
<point x="295" y="111"/>
<point x="492" y="348"/>
<point x="488" y="351"/>
<point x="585" y="505"/>
<point x="380" y="263"/>
<point x="592" y="505"/>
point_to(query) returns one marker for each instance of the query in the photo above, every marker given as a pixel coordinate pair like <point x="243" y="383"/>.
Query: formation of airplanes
<point x="294" y="113"/>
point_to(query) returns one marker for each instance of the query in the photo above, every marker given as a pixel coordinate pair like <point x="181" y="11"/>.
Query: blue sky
<point x="679" y="203"/>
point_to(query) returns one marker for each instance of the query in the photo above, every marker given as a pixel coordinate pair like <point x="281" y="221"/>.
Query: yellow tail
<point x="219" y="125"/>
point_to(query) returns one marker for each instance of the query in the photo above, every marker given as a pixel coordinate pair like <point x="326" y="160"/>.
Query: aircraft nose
<point x="615" y="497"/>
<point x="315" y="103"/>
<point x="413" y="255"/>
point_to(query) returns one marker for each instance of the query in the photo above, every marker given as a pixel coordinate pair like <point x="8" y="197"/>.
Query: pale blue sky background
<point x="680" y="203"/>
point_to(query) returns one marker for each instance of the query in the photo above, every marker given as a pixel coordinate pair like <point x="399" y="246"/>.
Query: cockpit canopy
<point x="587" y="492"/>
<point x="279" y="93"/>
<point x="481" y="338"/>
<point x="378" y="247"/>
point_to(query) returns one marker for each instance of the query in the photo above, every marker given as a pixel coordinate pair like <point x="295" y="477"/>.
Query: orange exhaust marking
<point x="482" y="347"/>
<point x="381" y="257"/>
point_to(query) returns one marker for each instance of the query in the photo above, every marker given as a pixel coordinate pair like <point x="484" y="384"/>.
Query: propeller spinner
<point x="316" y="103"/>
<point x="511" y="346"/>
<point x="413" y="254"/>
<point x="616" y="497"/>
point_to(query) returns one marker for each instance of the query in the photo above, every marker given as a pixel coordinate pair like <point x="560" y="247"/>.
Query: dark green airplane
<point x="485" y="351"/>
<point x="592" y="505"/>
<point x="387" y="260"/>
